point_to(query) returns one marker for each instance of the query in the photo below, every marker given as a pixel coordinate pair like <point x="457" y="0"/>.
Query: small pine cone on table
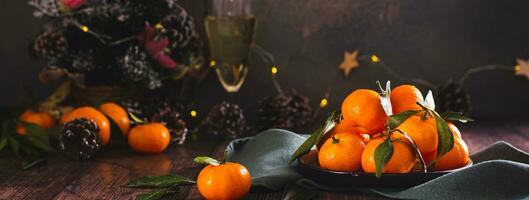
<point x="451" y="96"/>
<point x="80" y="139"/>
<point x="290" y="110"/>
<point x="225" y="119"/>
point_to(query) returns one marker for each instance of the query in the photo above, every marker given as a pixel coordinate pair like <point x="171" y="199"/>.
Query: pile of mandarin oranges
<point x="144" y="138"/>
<point x="351" y="145"/>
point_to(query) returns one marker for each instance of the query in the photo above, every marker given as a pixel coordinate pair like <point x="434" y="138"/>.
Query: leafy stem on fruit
<point x="426" y="111"/>
<point x="205" y="160"/>
<point x="137" y="119"/>
<point x="383" y="154"/>
<point x="335" y="140"/>
<point x="416" y="149"/>
<point x="316" y="136"/>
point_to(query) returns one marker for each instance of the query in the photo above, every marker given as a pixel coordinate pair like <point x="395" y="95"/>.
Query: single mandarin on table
<point x="224" y="181"/>
<point x="402" y="160"/>
<point x="42" y="119"/>
<point x="93" y="114"/>
<point x="342" y="152"/>
<point x="405" y="97"/>
<point x="149" y="138"/>
<point x="363" y="108"/>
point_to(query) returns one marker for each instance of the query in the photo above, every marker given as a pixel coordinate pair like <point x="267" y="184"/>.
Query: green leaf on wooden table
<point x="455" y="116"/>
<point x="205" y="160"/>
<point x="164" y="181"/>
<point x="395" y="120"/>
<point x="294" y="191"/>
<point x="37" y="136"/>
<point x="155" y="194"/>
<point x="32" y="162"/>
<point x="383" y="153"/>
<point x="315" y="137"/>
<point x="445" y="137"/>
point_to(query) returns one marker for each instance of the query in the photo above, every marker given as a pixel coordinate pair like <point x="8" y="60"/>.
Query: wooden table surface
<point x="104" y="176"/>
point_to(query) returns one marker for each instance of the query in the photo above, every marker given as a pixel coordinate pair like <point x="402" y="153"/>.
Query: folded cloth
<point x="500" y="171"/>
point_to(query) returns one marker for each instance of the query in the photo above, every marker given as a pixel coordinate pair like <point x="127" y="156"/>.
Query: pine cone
<point x="83" y="62"/>
<point x="136" y="67"/>
<point x="50" y="45"/>
<point x="290" y="111"/>
<point x="173" y="121"/>
<point x="451" y="96"/>
<point x="80" y="139"/>
<point x="178" y="28"/>
<point x="226" y="119"/>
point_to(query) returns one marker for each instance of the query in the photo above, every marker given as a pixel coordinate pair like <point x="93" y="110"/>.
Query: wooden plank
<point x="41" y="182"/>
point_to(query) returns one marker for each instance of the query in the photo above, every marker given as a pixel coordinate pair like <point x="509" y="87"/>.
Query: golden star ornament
<point x="349" y="62"/>
<point x="522" y="68"/>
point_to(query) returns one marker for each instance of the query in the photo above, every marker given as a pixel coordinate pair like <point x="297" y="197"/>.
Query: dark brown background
<point x="432" y="40"/>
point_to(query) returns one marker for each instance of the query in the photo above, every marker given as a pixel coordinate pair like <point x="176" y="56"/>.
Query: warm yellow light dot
<point x="274" y="70"/>
<point x="158" y="26"/>
<point x="84" y="28"/>
<point x="517" y="68"/>
<point x="323" y="103"/>
<point x="375" y="58"/>
<point x="212" y="63"/>
<point x="193" y="113"/>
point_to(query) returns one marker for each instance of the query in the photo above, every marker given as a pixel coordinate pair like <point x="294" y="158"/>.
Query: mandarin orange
<point x="363" y="108"/>
<point x="342" y="152"/>
<point x="405" y="97"/>
<point x="118" y="114"/>
<point x="43" y="119"/>
<point x="402" y="160"/>
<point x="224" y="181"/>
<point x="149" y="138"/>
<point x="422" y="131"/>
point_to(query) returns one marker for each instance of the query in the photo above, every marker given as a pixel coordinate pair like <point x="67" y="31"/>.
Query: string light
<point x="374" y="58"/>
<point x="274" y="70"/>
<point x="212" y="63"/>
<point x="158" y="26"/>
<point x="193" y="113"/>
<point x="517" y="68"/>
<point x="84" y="28"/>
<point x="323" y="103"/>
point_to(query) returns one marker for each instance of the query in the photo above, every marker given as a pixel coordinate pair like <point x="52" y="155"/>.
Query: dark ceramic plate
<point x="309" y="167"/>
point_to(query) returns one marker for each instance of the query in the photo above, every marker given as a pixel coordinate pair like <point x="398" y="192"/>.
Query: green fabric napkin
<point x="500" y="171"/>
